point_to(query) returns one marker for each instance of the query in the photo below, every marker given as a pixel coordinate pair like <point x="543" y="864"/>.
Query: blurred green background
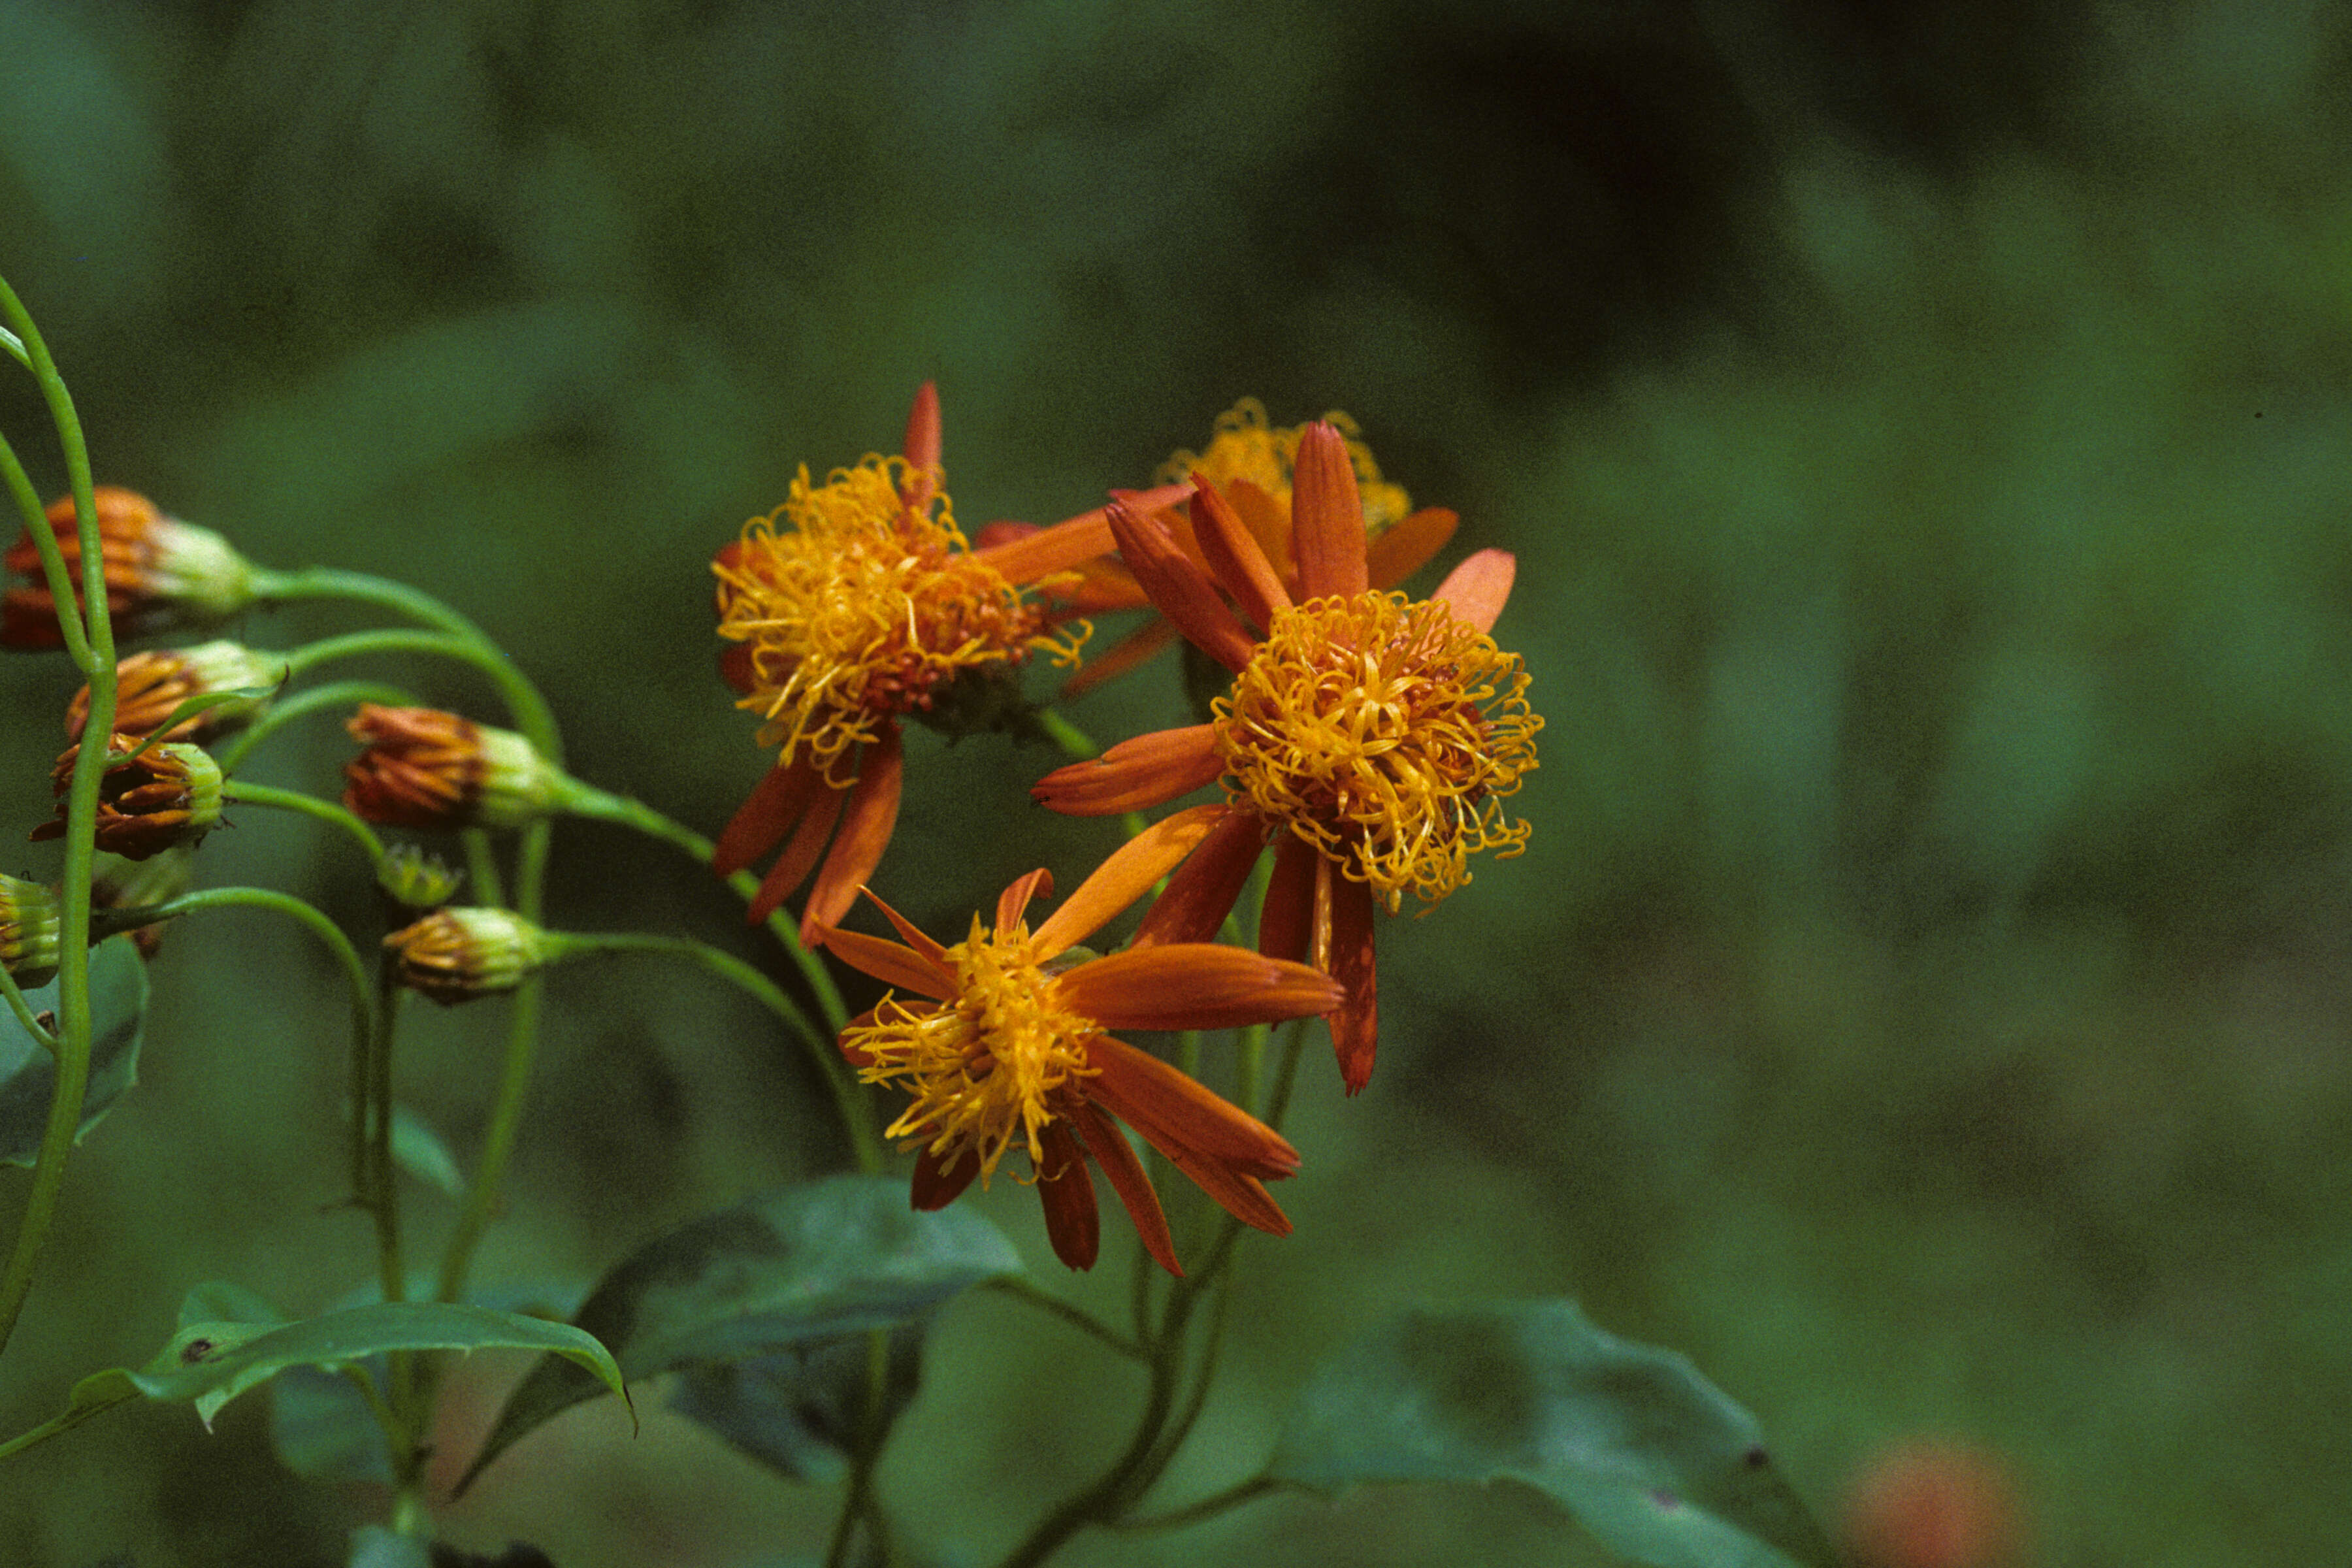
<point x="1923" y="428"/>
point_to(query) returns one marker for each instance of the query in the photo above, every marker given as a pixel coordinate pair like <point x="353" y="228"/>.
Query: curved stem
<point x="334" y="694"/>
<point x="1208" y="1507"/>
<point x="624" y="812"/>
<point x="1078" y="1318"/>
<point x="864" y="1142"/>
<point x="532" y="716"/>
<point x="53" y="563"/>
<point x="25" y="1014"/>
<point x="308" y="805"/>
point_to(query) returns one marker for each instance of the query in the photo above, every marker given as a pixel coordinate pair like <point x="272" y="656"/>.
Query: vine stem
<point x="308" y="805"/>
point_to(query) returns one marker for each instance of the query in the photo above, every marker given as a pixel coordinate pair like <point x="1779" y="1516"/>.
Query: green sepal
<point x="1648" y="1455"/>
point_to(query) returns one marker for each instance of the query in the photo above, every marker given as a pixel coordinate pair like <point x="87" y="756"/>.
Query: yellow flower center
<point x="1243" y="445"/>
<point x="1385" y="732"/>
<point x="856" y="608"/>
<point x="986" y="1067"/>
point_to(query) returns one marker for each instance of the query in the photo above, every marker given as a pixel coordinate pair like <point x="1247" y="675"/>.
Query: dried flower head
<point x="169" y="793"/>
<point x="160" y="574"/>
<point x="150" y="687"/>
<point x="423" y="768"/>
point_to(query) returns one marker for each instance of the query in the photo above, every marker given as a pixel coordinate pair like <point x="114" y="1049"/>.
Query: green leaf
<point x="28" y="1074"/>
<point x="225" y="1301"/>
<point x="784" y="1270"/>
<point x="323" y="1430"/>
<point x="1651" y="1457"/>
<point x="210" y="1363"/>
<point x="419" y="1151"/>
<point x="798" y="1412"/>
<point x="373" y="1546"/>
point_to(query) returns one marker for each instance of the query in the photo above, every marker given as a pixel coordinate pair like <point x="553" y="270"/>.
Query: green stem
<point x="95" y="653"/>
<point x="24" y="1013"/>
<point x="1208" y="1507"/>
<point x="624" y="812"/>
<point x="858" y="1500"/>
<point x="498" y="1143"/>
<point x="532" y="714"/>
<point x="482" y="866"/>
<point x="864" y="1144"/>
<point x="1078" y="1318"/>
<point x="53" y="564"/>
<point x="333" y="695"/>
<point x="308" y="805"/>
<point x="64" y="1420"/>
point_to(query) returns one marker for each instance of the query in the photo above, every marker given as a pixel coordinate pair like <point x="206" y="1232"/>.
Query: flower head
<point x="169" y="793"/>
<point x="28" y="930"/>
<point x="1372" y="737"/>
<point x="858" y="604"/>
<point x="1251" y="464"/>
<point x="1011" y="1049"/>
<point x="149" y="686"/>
<point x="160" y="573"/>
<point x="462" y="954"/>
<point x="427" y="769"/>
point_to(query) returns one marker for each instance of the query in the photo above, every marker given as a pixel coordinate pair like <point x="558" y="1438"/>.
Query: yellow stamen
<point x="1386" y="732"/>
<point x="987" y="1066"/>
<point x="856" y="608"/>
<point x="1243" y="445"/>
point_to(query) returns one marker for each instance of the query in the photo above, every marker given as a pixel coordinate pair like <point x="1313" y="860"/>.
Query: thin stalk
<point x="482" y="866"/>
<point x="334" y="694"/>
<point x="498" y="1143"/>
<point x="1078" y="1318"/>
<point x="53" y="565"/>
<point x="1208" y="1507"/>
<point x="309" y="805"/>
<point x="24" y="1013"/>
<point x="864" y="1144"/>
<point x="95" y="654"/>
<point x="858" y="1500"/>
<point x="64" y="1420"/>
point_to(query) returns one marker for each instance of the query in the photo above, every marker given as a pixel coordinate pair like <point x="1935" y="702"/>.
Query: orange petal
<point x="1148" y="770"/>
<point x="932" y="952"/>
<point x="922" y="448"/>
<point x="1193" y="986"/>
<point x="867" y="819"/>
<point x="1109" y="1148"/>
<point x="1070" y="542"/>
<point x="738" y="669"/>
<point x="1356" y="1026"/>
<point x="1124" y="878"/>
<point x="1068" y="1194"/>
<point x="1122" y="656"/>
<point x="1326" y="516"/>
<point x="774" y="804"/>
<point x="1268" y="521"/>
<point x="1396" y="553"/>
<point x="935" y="1188"/>
<point x="1286" y="924"/>
<point x="1003" y="531"/>
<point x="1202" y="891"/>
<point x="1234" y="557"/>
<point x="791" y="867"/>
<point x="1013" y="902"/>
<point x="885" y="961"/>
<point x="1474" y="591"/>
<point x="1171" y="1110"/>
<point x="1178" y="588"/>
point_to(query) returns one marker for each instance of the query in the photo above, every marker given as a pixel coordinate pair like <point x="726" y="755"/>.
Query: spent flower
<point x="162" y="574"/>
<point x="1371" y="737"/>
<point x="1008" y="1047"/>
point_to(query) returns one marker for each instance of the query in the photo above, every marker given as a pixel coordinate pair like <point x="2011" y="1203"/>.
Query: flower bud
<point x="457" y="955"/>
<point x="423" y="768"/>
<point x="169" y="793"/>
<point x="417" y="879"/>
<point x="160" y="573"/>
<point x="29" y="931"/>
<point x="148" y="686"/>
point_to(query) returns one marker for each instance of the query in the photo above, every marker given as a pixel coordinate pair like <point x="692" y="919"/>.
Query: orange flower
<point x="169" y="793"/>
<point x="857" y="604"/>
<point x="1372" y="738"/>
<point x="427" y="769"/>
<point x="149" y="686"/>
<point x="1012" y="1049"/>
<point x="160" y="573"/>
<point x="1251" y="463"/>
